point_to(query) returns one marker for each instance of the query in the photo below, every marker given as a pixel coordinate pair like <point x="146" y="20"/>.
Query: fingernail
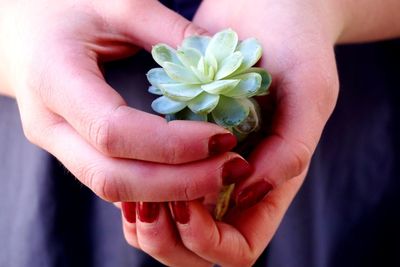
<point x="220" y="143"/>
<point x="235" y="170"/>
<point x="129" y="211"/>
<point x="148" y="211"/>
<point x="180" y="211"/>
<point x="253" y="194"/>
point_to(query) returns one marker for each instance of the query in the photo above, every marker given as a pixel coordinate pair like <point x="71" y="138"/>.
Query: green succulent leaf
<point x="180" y="92"/>
<point x="163" y="53"/>
<point x="203" y="103"/>
<point x="252" y="122"/>
<point x="220" y="87"/>
<point x="222" y="45"/>
<point x="202" y="72"/>
<point x="189" y="56"/>
<point x="158" y="76"/>
<point x="211" y="73"/>
<point x="186" y="114"/>
<point x="251" y="51"/>
<point x="248" y="86"/>
<point x="212" y="62"/>
<point x="165" y="105"/>
<point x="154" y="90"/>
<point x="180" y="74"/>
<point x="265" y="81"/>
<point x="230" y="112"/>
<point x="229" y="65"/>
<point x="202" y="67"/>
<point x="200" y="75"/>
<point x="200" y="43"/>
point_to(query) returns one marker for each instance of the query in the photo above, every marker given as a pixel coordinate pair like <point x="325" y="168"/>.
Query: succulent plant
<point x="211" y="79"/>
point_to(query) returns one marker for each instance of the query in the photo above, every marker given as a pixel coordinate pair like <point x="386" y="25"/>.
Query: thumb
<point x="146" y="23"/>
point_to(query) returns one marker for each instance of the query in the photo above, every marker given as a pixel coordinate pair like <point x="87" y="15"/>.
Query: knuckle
<point x="300" y="157"/>
<point x="38" y="135"/>
<point x="101" y="182"/>
<point x="297" y="157"/>
<point x="205" y="242"/>
<point x="101" y="135"/>
<point x="194" y="187"/>
<point x="191" y="189"/>
<point x="271" y="210"/>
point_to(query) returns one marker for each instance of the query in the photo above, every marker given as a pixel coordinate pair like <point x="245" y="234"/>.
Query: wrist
<point x="7" y="30"/>
<point x="364" y="21"/>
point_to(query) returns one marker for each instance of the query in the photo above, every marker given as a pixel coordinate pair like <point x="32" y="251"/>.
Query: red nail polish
<point x="148" y="211"/>
<point x="129" y="211"/>
<point x="221" y="143"/>
<point x="181" y="212"/>
<point x="235" y="170"/>
<point x="253" y="194"/>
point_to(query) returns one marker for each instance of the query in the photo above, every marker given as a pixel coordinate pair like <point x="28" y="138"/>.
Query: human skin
<point x="298" y="38"/>
<point x="50" y="52"/>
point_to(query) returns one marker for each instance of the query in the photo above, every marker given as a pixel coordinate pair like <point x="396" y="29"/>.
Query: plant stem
<point x="223" y="200"/>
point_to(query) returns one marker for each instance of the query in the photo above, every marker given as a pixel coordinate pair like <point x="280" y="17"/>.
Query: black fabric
<point x="186" y="8"/>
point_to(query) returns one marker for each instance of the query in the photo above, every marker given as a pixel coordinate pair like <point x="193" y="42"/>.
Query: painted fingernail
<point x="129" y="211"/>
<point x="253" y="194"/>
<point x="148" y="211"/>
<point x="235" y="170"/>
<point x="221" y="143"/>
<point x="180" y="211"/>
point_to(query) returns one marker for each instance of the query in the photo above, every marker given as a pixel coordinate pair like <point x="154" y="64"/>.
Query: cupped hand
<point x="51" y="52"/>
<point x="298" y="39"/>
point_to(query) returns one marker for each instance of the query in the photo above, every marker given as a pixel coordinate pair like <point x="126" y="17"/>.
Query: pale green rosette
<point x="210" y="79"/>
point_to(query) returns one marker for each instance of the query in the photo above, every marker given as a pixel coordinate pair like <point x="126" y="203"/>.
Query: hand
<point x="50" y="53"/>
<point x="193" y="238"/>
<point x="298" y="39"/>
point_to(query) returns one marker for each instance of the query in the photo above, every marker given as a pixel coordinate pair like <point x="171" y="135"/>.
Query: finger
<point x="116" y="179"/>
<point x="216" y="242"/>
<point x="158" y="237"/>
<point x="147" y="23"/>
<point x="75" y="90"/>
<point x="265" y="215"/>
<point x="240" y="242"/>
<point x="129" y="223"/>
